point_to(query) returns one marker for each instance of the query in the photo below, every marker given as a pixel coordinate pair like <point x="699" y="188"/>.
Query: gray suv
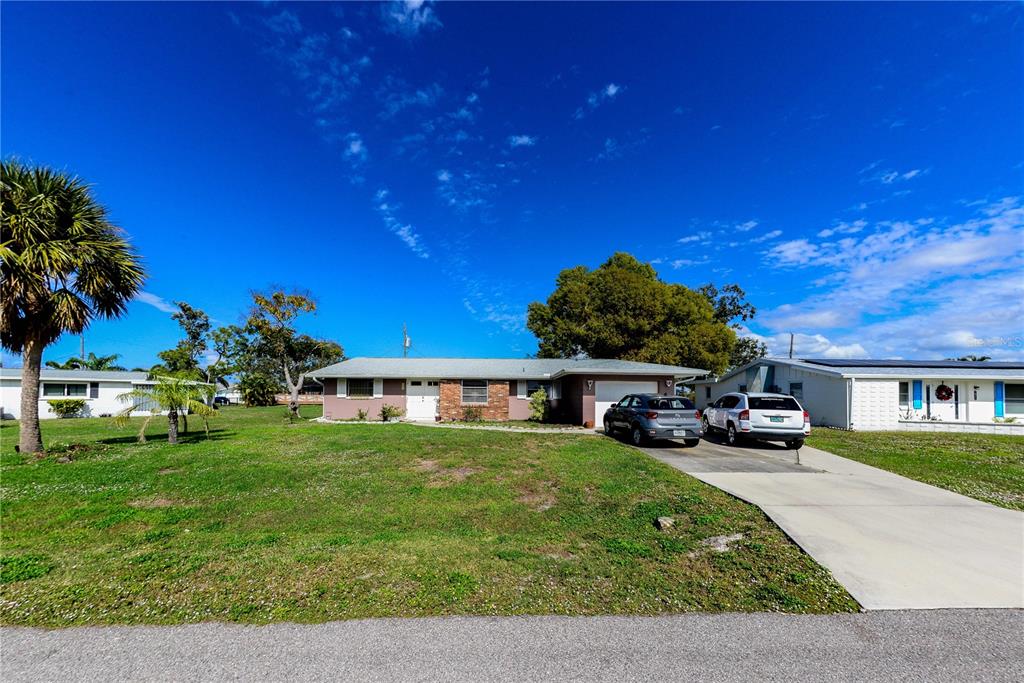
<point x="646" y="417"/>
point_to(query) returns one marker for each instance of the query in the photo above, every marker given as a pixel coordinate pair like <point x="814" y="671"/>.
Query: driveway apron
<point x="893" y="542"/>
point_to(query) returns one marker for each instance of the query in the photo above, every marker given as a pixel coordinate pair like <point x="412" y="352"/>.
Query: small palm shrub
<point x="67" y="407"/>
<point x="472" y="414"/>
<point x="361" y="415"/>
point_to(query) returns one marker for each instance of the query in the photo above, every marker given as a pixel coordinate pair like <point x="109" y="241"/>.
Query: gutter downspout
<point x="849" y="404"/>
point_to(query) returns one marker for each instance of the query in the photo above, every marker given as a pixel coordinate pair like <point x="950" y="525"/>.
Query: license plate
<point x="777" y="418"/>
<point x="678" y="432"/>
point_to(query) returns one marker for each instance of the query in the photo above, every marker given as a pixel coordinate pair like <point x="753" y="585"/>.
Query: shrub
<point x="361" y="415"/>
<point x="388" y="412"/>
<point x="67" y="407"/>
<point x="539" y="406"/>
<point x="472" y="414"/>
<point x="258" y="390"/>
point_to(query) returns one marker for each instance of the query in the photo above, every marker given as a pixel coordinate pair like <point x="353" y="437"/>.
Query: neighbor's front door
<point x="422" y="397"/>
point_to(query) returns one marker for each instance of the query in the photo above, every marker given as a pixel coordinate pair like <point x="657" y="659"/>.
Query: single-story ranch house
<point x="963" y="396"/>
<point x="443" y="388"/>
<point x="99" y="389"/>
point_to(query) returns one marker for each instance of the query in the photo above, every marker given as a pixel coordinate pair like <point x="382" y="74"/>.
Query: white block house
<point x="99" y="389"/>
<point x="961" y="396"/>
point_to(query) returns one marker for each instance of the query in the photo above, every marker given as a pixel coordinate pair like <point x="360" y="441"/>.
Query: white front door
<point x="421" y="398"/>
<point x="606" y="393"/>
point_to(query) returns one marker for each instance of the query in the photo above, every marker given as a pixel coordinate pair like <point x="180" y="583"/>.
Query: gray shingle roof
<point x="896" y="369"/>
<point x="80" y="375"/>
<point x="495" y="368"/>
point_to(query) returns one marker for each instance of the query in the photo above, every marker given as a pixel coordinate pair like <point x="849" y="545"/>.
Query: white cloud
<point x="355" y="151"/>
<point x="596" y="99"/>
<point x="522" y="141"/>
<point x="746" y="226"/>
<point x="702" y="236"/>
<point x="443" y="176"/>
<point x="156" y="302"/>
<point x="890" y="176"/>
<point x="404" y="232"/>
<point x="395" y="95"/>
<point x="408" y="17"/>
<point x="765" y="237"/>
<point x="844" y="228"/>
<point x="905" y="288"/>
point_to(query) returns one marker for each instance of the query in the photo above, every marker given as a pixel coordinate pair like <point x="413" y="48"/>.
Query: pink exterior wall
<point x="339" y="408"/>
<point x="518" y="408"/>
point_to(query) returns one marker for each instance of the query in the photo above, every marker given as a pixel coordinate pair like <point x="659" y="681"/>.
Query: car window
<point x="773" y="403"/>
<point x="670" y="403"/>
<point x="730" y="402"/>
<point x="718" y="403"/>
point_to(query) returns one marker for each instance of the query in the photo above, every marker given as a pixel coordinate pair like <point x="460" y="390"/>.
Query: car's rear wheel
<point x="732" y="436"/>
<point x="707" y="425"/>
<point x="637" y="437"/>
<point x="608" y="429"/>
<point x="690" y="443"/>
<point x="794" y="444"/>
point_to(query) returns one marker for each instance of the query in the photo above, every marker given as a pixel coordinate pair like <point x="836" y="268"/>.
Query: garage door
<point x="607" y="393"/>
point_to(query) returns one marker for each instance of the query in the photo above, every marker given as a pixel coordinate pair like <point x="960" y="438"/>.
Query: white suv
<point x="771" y="417"/>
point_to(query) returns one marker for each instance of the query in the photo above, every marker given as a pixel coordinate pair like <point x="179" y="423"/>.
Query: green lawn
<point x="270" y="521"/>
<point x="988" y="467"/>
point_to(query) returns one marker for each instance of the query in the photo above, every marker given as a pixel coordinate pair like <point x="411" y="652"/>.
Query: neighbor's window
<point x="532" y="387"/>
<point x="743" y="388"/>
<point x="796" y="389"/>
<point x="1014" y="399"/>
<point x="51" y="389"/>
<point x="904" y="394"/>
<point x="474" y="391"/>
<point x="360" y="388"/>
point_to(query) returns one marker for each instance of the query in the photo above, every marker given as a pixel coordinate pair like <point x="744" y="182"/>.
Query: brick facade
<point x="451" y="406"/>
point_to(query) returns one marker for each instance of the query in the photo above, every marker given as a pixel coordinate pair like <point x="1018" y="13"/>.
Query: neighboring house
<point x="312" y="391"/>
<point x="963" y="396"/>
<point x="99" y="389"/>
<point x="443" y="388"/>
<point x="232" y="392"/>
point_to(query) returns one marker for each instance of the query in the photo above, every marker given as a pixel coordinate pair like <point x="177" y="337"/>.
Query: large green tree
<point x="731" y="307"/>
<point x="183" y="359"/>
<point x="624" y="310"/>
<point x="272" y="321"/>
<point x="62" y="264"/>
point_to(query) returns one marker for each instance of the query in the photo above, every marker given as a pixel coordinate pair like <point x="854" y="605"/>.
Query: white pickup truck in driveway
<point x="770" y="417"/>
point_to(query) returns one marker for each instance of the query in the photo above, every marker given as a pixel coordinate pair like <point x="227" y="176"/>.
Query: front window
<point x="532" y="387"/>
<point x="360" y="388"/>
<point x="796" y="389"/>
<point x="1014" y="400"/>
<point x="52" y="389"/>
<point x="474" y="391"/>
<point x="904" y="394"/>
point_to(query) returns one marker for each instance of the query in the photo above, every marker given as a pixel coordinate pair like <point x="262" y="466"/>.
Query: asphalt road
<point x="910" y="646"/>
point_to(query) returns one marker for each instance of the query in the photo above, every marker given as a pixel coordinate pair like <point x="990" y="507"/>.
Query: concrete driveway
<point x="893" y="542"/>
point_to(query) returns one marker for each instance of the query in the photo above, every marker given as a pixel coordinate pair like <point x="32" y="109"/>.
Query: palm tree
<point x="93" y="362"/>
<point x="174" y="395"/>
<point x="62" y="263"/>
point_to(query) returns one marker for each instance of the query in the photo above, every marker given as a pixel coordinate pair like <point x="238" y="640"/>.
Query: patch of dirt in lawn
<point x="426" y="466"/>
<point x="168" y="470"/>
<point x="452" y="475"/>
<point x="540" y="496"/>
<point x="155" y="502"/>
<point x="554" y="552"/>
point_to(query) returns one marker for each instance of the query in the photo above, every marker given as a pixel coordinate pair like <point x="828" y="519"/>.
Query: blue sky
<point x="857" y="168"/>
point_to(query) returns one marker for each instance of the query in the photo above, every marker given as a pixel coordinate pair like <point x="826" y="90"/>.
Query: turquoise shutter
<point x="917" y="394"/>
<point x="1000" y="397"/>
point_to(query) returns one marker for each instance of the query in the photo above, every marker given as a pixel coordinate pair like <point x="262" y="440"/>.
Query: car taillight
<point x="744" y="414"/>
<point x="651" y="415"/>
<point x="807" y="417"/>
<point x="697" y="414"/>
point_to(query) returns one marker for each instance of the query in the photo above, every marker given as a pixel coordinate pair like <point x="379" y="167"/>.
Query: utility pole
<point x="791" y="346"/>
<point x="81" y="347"/>
<point x="406" y="342"/>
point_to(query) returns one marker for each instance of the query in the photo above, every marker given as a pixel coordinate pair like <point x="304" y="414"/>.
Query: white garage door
<point x="607" y="393"/>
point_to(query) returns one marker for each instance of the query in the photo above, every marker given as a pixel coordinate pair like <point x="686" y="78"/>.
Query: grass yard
<point x="988" y="467"/>
<point x="270" y="521"/>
